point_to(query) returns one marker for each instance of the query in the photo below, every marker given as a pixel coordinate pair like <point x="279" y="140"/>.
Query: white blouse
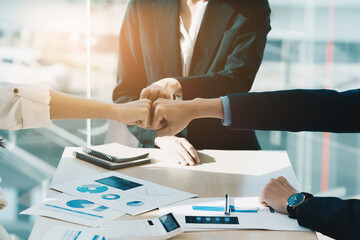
<point x="24" y="106"/>
<point x="188" y="39"/>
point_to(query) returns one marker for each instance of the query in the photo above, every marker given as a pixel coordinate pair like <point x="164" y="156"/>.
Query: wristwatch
<point x="295" y="201"/>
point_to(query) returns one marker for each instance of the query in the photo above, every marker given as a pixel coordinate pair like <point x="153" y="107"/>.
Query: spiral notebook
<point x="109" y="164"/>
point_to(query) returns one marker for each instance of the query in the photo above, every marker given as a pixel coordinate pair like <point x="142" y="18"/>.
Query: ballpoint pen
<point x="227" y="204"/>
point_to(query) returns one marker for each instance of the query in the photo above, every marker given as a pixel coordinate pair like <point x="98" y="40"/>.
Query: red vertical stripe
<point x="325" y="162"/>
<point x="328" y="84"/>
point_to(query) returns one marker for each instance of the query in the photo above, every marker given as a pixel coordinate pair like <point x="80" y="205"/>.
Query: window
<point x="45" y="41"/>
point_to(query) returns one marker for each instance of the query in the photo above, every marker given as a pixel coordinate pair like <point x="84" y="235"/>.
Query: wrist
<point x="295" y="201"/>
<point x="193" y="108"/>
<point x="208" y="108"/>
<point x="111" y="110"/>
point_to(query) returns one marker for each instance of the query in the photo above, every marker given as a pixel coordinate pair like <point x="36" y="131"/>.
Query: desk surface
<point x="239" y="173"/>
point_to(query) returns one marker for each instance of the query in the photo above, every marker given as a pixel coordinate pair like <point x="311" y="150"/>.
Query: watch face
<point x="296" y="199"/>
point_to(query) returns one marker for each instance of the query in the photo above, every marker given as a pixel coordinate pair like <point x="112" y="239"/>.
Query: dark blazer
<point x="307" y="110"/>
<point x="336" y="218"/>
<point x="297" y="110"/>
<point x="226" y="58"/>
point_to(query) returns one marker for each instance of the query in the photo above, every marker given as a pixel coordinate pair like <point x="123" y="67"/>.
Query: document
<point x="73" y="233"/>
<point x="201" y="214"/>
<point x="73" y="209"/>
<point x="124" y="193"/>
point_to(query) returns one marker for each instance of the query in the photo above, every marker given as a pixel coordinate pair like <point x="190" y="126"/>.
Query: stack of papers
<point x="201" y="214"/>
<point x="105" y="197"/>
<point x="124" y="193"/>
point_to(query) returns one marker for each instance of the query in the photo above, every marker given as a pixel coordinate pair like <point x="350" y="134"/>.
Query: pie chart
<point x="135" y="203"/>
<point x="92" y="188"/>
<point x="110" y="196"/>
<point x="80" y="203"/>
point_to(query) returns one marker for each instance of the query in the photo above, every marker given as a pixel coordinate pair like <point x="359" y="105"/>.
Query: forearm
<point x="217" y="85"/>
<point x="206" y="108"/>
<point x="297" y="110"/>
<point x="63" y="106"/>
<point x="331" y="216"/>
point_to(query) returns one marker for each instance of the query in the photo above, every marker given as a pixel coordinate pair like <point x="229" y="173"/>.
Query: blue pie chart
<point x="135" y="203"/>
<point x="92" y="188"/>
<point x="110" y="196"/>
<point x="79" y="203"/>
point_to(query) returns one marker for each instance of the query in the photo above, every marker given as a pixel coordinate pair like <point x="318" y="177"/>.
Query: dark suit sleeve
<point x="131" y="77"/>
<point x="297" y="110"/>
<point x="339" y="219"/>
<point x="241" y="65"/>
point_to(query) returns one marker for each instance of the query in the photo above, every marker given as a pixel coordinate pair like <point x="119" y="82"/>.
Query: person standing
<point x="183" y="49"/>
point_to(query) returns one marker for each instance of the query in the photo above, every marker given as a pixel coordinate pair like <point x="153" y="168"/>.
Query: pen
<point x="227" y="204"/>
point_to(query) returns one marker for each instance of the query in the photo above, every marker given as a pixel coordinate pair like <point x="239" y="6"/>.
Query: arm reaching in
<point x="63" y="106"/>
<point x="171" y="116"/>
<point x="25" y="106"/>
<point x="334" y="217"/>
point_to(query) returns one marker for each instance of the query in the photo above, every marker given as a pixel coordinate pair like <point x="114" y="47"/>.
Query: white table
<point x="239" y="173"/>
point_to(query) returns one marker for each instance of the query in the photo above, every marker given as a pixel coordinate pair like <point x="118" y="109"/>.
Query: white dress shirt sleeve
<point x="24" y="106"/>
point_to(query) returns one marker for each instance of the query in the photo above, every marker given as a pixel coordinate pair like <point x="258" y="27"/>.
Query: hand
<point x="178" y="148"/>
<point x="134" y="113"/>
<point x="165" y="88"/>
<point x="276" y="194"/>
<point x="171" y="116"/>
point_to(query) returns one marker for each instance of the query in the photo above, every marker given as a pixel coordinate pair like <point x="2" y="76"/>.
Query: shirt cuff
<point x="35" y="99"/>
<point x="227" y="111"/>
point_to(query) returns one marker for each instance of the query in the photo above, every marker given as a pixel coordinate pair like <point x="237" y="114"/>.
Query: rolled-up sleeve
<point x="24" y="106"/>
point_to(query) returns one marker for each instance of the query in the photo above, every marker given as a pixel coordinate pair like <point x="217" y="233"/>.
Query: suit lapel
<point x="215" y="21"/>
<point x="167" y="34"/>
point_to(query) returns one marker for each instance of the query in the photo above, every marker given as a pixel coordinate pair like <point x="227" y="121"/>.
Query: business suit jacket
<point x="227" y="55"/>
<point x="334" y="217"/>
<point x="297" y="110"/>
<point x="307" y="110"/>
